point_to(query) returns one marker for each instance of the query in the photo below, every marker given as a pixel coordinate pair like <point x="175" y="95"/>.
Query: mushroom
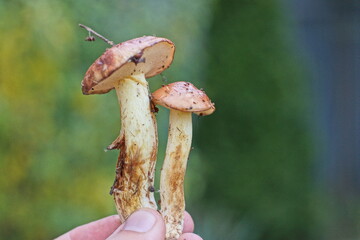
<point x="125" y="67"/>
<point x="182" y="98"/>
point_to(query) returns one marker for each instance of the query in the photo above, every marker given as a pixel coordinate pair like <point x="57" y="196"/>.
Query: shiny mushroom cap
<point x="185" y="97"/>
<point x="147" y="55"/>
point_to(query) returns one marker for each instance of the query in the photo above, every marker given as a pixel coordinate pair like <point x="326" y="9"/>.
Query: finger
<point x="144" y="224"/>
<point x="97" y="230"/>
<point x="188" y="223"/>
<point x="190" y="236"/>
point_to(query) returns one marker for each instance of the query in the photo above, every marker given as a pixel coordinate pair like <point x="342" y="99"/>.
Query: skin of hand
<point x="144" y="224"/>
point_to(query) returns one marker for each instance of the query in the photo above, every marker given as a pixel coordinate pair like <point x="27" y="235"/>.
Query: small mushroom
<point x="182" y="99"/>
<point x="125" y="67"/>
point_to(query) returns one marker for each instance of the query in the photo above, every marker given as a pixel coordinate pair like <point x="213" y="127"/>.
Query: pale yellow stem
<point x="173" y="173"/>
<point x="138" y="148"/>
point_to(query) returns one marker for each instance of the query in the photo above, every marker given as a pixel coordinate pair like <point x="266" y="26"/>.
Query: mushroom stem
<point x="138" y="148"/>
<point x="173" y="172"/>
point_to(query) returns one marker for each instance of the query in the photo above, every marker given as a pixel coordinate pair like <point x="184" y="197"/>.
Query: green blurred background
<point x="279" y="159"/>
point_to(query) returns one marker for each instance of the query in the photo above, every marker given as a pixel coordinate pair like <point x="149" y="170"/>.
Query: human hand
<point x="144" y="224"/>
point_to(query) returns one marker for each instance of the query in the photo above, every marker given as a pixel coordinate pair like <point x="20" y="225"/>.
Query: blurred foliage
<point x="251" y="160"/>
<point x="256" y="146"/>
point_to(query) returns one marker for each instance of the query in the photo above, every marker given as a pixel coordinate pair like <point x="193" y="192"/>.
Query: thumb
<point x="144" y="224"/>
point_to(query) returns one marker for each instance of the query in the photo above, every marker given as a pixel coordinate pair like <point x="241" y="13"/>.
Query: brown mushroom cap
<point x="149" y="55"/>
<point x="185" y="97"/>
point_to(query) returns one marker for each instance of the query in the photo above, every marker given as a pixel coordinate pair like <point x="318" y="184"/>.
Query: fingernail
<point x="140" y="221"/>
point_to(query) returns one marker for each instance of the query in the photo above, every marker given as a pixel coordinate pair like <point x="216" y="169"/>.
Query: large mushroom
<point x="183" y="99"/>
<point x="125" y="67"/>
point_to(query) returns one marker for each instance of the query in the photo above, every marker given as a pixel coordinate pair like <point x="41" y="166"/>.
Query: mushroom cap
<point x="148" y="54"/>
<point x="185" y="97"/>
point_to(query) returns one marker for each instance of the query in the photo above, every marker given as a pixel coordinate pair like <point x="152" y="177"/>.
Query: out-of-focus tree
<point x="255" y="148"/>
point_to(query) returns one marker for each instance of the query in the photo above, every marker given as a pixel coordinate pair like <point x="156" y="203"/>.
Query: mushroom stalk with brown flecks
<point x="182" y="99"/>
<point x="125" y="67"/>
